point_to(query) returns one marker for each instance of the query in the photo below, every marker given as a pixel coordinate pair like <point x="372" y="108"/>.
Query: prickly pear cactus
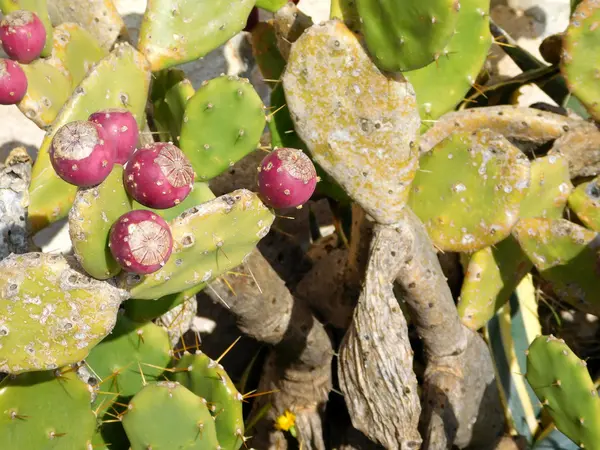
<point x="207" y="241"/>
<point x="121" y="80"/>
<point x="168" y="415"/>
<point x="207" y="379"/>
<point x="469" y="189"/>
<point x="585" y="202"/>
<point x="40" y="8"/>
<point x="360" y="126"/>
<point x="177" y="31"/>
<point x="50" y="410"/>
<point x="51" y="313"/>
<point x="223" y="122"/>
<point x="579" y="70"/>
<point x="143" y="310"/>
<point x="405" y="35"/>
<point x="270" y="5"/>
<point x="562" y="383"/>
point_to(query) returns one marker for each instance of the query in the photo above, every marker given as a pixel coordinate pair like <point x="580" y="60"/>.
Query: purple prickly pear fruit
<point x="23" y="36"/>
<point x="286" y="178"/>
<point x="122" y="130"/>
<point x="82" y="154"/>
<point x="159" y="175"/>
<point x="141" y="241"/>
<point x="13" y="82"/>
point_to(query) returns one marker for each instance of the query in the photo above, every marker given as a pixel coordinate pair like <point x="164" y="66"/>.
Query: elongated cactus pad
<point x="208" y="240"/>
<point x="585" y="202"/>
<point x="40" y="8"/>
<point x="143" y="310"/>
<point x="441" y="85"/>
<point x="49" y="410"/>
<point x="94" y="212"/>
<point x="266" y="53"/>
<point x="469" y="189"/>
<point x="132" y="353"/>
<point x="207" y="379"/>
<point x="177" y="31"/>
<point x="360" y="126"/>
<point x="51" y="314"/>
<point x="121" y="80"/>
<point x="167" y="415"/>
<point x="580" y="71"/>
<point x="223" y="122"/>
<point x="563" y="384"/>
<point x="271" y="5"/>
<point x="566" y="255"/>
<point x="406" y="34"/>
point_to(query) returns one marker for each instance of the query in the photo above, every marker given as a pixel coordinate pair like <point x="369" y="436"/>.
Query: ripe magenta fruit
<point x="287" y="178"/>
<point x="159" y="175"/>
<point x="23" y="36"/>
<point x="13" y="82"/>
<point x="122" y="131"/>
<point x="81" y="153"/>
<point x="141" y="241"/>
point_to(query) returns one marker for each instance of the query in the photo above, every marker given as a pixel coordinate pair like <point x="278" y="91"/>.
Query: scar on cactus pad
<point x="82" y="153"/>
<point x="159" y="175"/>
<point x="141" y="242"/>
<point x="13" y="82"/>
<point x="287" y="178"/>
<point x="122" y="130"/>
<point x="23" y="36"/>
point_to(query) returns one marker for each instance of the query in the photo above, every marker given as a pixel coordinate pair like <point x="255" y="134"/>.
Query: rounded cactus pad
<point x="23" y="36"/>
<point x="359" y="125"/>
<point x="141" y="241"/>
<point x="585" y="202"/>
<point x="51" y="314"/>
<point x="469" y="189"/>
<point x="287" y="178"/>
<point x="207" y="379"/>
<point x="49" y="410"/>
<point x="13" y="82"/>
<point x="581" y="38"/>
<point x="159" y="175"/>
<point x="563" y="384"/>
<point x="168" y="415"/>
<point x="406" y="34"/>
<point x="132" y="353"/>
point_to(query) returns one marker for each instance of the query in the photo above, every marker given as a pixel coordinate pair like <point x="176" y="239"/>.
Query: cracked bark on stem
<point x="376" y="360"/>
<point x="301" y="365"/>
<point x="15" y="175"/>
<point x="461" y="402"/>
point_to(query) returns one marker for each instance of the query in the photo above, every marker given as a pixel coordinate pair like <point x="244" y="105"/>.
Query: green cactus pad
<point x="124" y="359"/>
<point x="493" y="274"/>
<point x="179" y="320"/>
<point x="166" y="415"/>
<point x="223" y="122"/>
<point x="177" y="31"/>
<point x="110" y="435"/>
<point x="563" y="384"/>
<point x="45" y="410"/>
<point x="566" y="255"/>
<point x="266" y="53"/>
<point x="468" y="190"/>
<point x="51" y="81"/>
<point x="360" y="126"/>
<point x="40" y="8"/>
<point x="271" y="5"/>
<point x="170" y="94"/>
<point x="406" y="35"/>
<point x="208" y="240"/>
<point x="585" y="202"/>
<point x="441" y="85"/>
<point x="94" y="212"/>
<point x="580" y="71"/>
<point x="200" y="194"/>
<point x="143" y="310"/>
<point x="207" y="379"/>
<point x="121" y="80"/>
<point x="51" y="314"/>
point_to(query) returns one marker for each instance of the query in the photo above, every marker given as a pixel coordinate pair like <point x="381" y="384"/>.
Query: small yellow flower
<point x="286" y="421"/>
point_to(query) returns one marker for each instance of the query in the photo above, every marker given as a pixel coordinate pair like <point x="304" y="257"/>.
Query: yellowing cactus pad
<point x="360" y="126"/>
<point x="51" y="314"/>
<point x="585" y="202"/>
<point x="469" y="189"/>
